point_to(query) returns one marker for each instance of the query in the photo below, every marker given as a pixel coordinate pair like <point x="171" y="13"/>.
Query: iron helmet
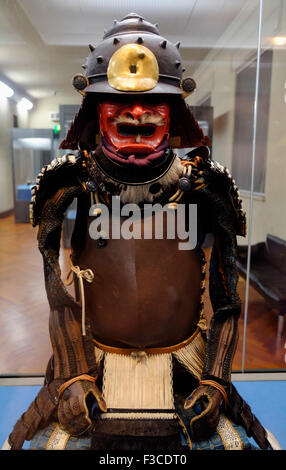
<point x="133" y="58"/>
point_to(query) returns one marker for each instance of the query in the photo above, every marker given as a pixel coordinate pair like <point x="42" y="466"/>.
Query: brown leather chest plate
<point x="146" y="292"/>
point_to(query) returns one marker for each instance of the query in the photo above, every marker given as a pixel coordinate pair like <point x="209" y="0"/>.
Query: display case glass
<point x="236" y="52"/>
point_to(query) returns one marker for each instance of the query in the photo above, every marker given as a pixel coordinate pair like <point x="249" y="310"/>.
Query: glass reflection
<point x="219" y="51"/>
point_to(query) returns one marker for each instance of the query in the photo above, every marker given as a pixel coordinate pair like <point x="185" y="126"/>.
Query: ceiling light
<point x="25" y="104"/>
<point x="279" y="40"/>
<point x="5" y="90"/>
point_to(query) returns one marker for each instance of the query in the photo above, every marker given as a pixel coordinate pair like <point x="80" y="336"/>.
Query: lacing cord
<point x="82" y="275"/>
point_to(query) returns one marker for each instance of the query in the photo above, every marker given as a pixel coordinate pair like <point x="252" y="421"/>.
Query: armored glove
<point x="79" y="402"/>
<point x="207" y="402"/>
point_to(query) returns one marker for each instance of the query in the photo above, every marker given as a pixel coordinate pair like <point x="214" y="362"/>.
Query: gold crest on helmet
<point x="133" y="67"/>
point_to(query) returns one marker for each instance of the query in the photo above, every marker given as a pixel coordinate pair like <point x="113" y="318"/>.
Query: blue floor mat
<point x="268" y="403"/>
<point x="14" y="400"/>
<point x="266" y="398"/>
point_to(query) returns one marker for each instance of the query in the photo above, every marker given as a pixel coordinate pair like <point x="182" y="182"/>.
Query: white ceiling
<point x="44" y="42"/>
<point x="77" y="22"/>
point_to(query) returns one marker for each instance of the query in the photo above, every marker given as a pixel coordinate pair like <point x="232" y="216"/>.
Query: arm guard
<point x="215" y="187"/>
<point x="57" y="186"/>
<point x="73" y="354"/>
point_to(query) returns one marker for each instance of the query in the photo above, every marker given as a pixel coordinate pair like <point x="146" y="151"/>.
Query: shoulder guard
<point x="227" y="184"/>
<point x="63" y="171"/>
<point x="218" y="180"/>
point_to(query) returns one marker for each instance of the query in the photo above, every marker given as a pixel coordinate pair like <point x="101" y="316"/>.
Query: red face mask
<point x="134" y="128"/>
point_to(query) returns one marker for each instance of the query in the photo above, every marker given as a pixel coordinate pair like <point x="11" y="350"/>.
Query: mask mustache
<point x="146" y="118"/>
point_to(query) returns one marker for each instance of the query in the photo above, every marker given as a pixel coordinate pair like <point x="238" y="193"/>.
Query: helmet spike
<point x="140" y="40"/>
<point x="177" y="45"/>
<point x="91" y="47"/>
<point x="163" y="44"/>
<point x="116" y="41"/>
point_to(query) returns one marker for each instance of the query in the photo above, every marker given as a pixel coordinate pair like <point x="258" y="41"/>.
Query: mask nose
<point x="137" y="112"/>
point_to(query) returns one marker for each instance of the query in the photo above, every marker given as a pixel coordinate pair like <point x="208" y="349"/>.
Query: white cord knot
<point x="140" y="356"/>
<point x="82" y="275"/>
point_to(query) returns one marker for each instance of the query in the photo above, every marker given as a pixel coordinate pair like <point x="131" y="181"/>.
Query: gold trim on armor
<point x="185" y="432"/>
<point x="58" y="439"/>
<point x="230" y="438"/>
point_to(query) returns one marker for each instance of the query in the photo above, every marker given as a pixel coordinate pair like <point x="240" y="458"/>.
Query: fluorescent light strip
<point x="25" y="104"/>
<point x="5" y="90"/>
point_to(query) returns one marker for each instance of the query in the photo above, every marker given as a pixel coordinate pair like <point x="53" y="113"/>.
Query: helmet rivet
<point x="140" y="41"/>
<point x="163" y="44"/>
<point x="185" y="184"/>
<point x="91" y="186"/>
<point x="140" y="19"/>
<point x="188" y="84"/>
<point x="99" y="59"/>
<point x="116" y="41"/>
<point x="177" y="64"/>
<point x="80" y="82"/>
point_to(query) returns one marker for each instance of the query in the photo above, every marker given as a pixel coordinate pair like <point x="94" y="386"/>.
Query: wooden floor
<point x="25" y="346"/>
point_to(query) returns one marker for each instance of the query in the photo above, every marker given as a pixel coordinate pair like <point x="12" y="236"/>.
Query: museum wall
<point x="37" y="118"/>
<point x="8" y="108"/>
<point x="40" y="115"/>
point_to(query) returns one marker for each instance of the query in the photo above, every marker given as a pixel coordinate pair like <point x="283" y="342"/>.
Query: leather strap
<point x="162" y="350"/>
<point x="218" y="387"/>
<point x="64" y="386"/>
